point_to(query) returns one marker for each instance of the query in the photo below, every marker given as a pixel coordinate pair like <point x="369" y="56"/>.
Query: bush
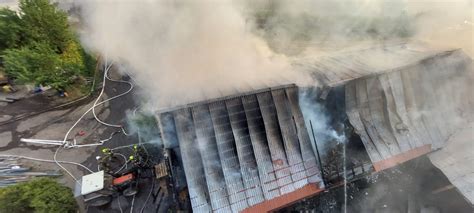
<point x="42" y="195"/>
<point x="38" y="46"/>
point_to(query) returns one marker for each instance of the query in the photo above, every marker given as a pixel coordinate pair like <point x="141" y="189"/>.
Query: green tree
<point x="10" y="29"/>
<point x="43" y="21"/>
<point x="42" y="195"/>
<point x="37" y="46"/>
<point x="39" y="64"/>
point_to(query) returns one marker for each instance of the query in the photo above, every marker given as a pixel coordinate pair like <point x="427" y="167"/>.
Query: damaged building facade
<point x="245" y="152"/>
<point x="252" y="152"/>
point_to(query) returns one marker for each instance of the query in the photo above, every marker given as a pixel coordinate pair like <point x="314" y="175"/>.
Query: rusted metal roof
<point x="242" y="150"/>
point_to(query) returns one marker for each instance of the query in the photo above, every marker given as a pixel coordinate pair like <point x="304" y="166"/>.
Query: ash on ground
<point x="416" y="186"/>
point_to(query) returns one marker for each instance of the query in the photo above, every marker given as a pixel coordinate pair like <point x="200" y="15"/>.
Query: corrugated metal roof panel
<point x="412" y="107"/>
<point x="192" y="161"/>
<point x="339" y="67"/>
<point x="228" y="156"/>
<point x="242" y="150"/>
<point x="260" y="145"/>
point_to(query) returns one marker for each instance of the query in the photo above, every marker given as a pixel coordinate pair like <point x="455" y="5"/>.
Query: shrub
<point x="42" y="195"/>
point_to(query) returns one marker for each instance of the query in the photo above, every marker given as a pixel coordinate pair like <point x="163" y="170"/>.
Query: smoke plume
<point x="323" y="25"/>
<point x="181" y="51"/>
<point x="184" y="51"/>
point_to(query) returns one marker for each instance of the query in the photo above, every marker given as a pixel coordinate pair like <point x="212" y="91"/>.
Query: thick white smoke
<point x="180" y="51"/>
<point x="184" y="51"/>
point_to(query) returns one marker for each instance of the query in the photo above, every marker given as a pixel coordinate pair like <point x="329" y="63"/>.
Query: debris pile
<point x="13" y="172"/>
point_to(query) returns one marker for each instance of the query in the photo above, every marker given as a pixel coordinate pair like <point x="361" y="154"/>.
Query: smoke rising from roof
<point x="184" y="51"/>
<point x="323" y="25"/>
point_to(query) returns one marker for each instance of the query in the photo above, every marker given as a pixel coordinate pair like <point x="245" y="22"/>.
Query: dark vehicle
<point x="121" y="175"/>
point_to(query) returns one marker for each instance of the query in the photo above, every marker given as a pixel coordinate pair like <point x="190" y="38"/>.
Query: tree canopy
<point x="10" y="28"/>
<point x="38" y="46"/>
<point x="42" y="195"/>
<point x="42" y="21"/>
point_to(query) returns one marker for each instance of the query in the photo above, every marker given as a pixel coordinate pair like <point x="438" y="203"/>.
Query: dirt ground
<point x="53" y="125"/>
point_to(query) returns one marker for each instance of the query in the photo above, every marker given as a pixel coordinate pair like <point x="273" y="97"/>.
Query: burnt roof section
<point x="239" y="151"/>
<point x="411" y="111"/>
<point x="340" y="67"/>
<point x="240" y="94"/>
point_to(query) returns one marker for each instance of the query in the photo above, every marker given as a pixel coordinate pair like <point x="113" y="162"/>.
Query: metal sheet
<point x="339" y="67"/>
<point x="422" y="104"/>
<point x="430" y="86"/>
<point x="233" y="151"/>
<point x="413" y="132"/>
<point x="290" y="138"/>
<point x="393" y="120"/>
<point x="192" y="162"/>
<point x="306" y="150"/>
<point x="248" y="165"/>
<point x="168" y="130"/>
<point x="410" y="102"/>
<point x="210" y="157"/>
<point x="363" y="105"/>
<point x="275" y="142"/>
<point x="228" y="155"/>
<point x="377" y="114"/>
<point x="259" y="141"/>
<point x="353" y="114"/>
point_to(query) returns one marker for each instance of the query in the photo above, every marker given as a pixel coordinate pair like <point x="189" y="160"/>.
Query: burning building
<point x="252" y="152"/>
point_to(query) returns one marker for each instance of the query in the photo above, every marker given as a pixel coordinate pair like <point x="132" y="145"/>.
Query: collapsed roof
<point x="244" y="150"/>
<point x="410" y="108"/>
<point x="415" y="110"/>
<point x="252" y="150"/>
<point x="337" y="68"/>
